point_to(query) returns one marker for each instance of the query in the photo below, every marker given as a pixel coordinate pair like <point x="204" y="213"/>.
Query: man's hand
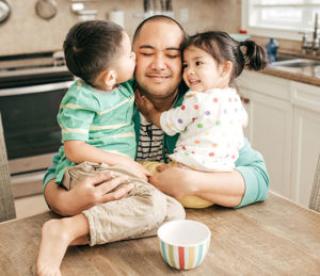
<point x="93" y="190"/>
<point x="147" y="108"/>
<point x="175" y="181"/>
<point x="223" y="188"/>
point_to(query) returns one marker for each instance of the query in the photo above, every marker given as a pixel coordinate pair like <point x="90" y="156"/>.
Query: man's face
<point x="158" y="59"/>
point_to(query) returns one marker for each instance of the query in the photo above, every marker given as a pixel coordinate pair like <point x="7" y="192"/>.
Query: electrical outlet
<point x="184" y="15"/>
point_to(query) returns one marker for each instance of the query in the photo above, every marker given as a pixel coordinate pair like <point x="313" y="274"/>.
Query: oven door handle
<point x="43" y="88"/>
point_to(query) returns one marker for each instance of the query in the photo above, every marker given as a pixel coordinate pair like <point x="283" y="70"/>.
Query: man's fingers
<point x="111" y="184"/>
<point x="118" y="194"/>
<point x="101" y="177"/>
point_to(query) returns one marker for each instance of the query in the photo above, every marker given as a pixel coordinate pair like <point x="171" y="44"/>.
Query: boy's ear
<point x="108" y="78"/>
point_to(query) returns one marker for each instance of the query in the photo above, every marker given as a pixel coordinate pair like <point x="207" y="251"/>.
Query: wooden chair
<point x="315" y="192"/>
<point x="7" y="208"/>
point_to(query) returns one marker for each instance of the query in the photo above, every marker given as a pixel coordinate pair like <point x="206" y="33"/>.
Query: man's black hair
<point x="163" y="18"/>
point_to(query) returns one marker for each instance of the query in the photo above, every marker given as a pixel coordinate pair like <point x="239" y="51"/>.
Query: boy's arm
<point x="79" y="151"/>
<point x="75" y="118"/>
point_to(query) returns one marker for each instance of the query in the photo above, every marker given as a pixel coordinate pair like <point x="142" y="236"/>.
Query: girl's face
<point x="201" y="71"/>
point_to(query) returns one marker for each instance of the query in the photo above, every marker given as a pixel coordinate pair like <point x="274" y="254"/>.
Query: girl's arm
<point x="176" y="119"/>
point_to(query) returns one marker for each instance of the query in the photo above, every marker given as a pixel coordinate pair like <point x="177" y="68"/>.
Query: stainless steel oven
<point x="31" y="88"/>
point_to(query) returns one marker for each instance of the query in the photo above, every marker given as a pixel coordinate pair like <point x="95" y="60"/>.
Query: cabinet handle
<point x="245" y="100"/>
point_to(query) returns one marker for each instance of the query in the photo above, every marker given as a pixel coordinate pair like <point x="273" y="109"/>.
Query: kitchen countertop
<point x="308" y="75"/>
<point x="276" y="237"/>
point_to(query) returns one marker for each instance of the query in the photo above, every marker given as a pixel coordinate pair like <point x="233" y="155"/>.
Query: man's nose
<point x="158" y="62"/>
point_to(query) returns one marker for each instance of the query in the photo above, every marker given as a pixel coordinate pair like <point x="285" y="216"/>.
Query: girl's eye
<point x="198" y="63"/>
<point x="184" y="65"/>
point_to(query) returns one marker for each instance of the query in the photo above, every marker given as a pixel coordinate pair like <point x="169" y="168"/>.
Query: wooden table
<point x="276" y="237"/>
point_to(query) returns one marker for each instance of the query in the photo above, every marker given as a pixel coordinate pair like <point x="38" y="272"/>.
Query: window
<point x="280" y="18"/>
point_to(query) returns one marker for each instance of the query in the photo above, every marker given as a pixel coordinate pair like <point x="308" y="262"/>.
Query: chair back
<point x="7" y="208"/>
<point x="315" y="192"/>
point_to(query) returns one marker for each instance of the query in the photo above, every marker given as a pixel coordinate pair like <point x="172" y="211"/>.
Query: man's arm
<point x="226" y="189"/>
<point x="93" y="190"/>
<point x="247" y="184"/>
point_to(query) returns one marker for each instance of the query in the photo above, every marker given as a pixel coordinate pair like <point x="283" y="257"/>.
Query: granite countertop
<point x="308" y="75"/>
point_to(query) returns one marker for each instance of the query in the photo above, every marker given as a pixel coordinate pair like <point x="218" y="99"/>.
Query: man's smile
<point x="157" y="77"/>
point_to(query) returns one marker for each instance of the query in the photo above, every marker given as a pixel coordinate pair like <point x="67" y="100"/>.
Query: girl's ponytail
<point x="254" y="55"/>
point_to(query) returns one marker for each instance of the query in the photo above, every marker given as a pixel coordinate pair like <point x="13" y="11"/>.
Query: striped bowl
<point x="184" y="243"/>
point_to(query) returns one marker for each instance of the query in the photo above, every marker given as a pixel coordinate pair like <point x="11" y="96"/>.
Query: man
<point x="157" y="43"/>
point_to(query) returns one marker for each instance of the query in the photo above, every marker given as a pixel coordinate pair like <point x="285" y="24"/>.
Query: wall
<point x="25" y="32"/>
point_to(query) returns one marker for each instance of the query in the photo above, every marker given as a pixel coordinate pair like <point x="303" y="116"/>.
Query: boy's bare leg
<point x="57" y="235"/>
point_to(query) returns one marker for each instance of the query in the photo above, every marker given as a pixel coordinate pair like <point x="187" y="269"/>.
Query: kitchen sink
<point x="296" y="63"/>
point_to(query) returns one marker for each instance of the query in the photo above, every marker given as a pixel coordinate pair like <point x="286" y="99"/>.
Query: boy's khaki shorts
<point x="138" y="215"/>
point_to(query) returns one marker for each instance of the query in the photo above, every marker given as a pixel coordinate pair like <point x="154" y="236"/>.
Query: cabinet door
<point x="306" y="150"/>
<point x="270" y="125"/>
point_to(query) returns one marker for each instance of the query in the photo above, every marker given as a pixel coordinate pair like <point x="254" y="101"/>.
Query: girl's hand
<point x="147" y="108"/>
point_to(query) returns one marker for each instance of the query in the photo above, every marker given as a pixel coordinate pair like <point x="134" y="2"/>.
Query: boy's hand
<point x="134" y="167"/>
<point x="138" y="170"/>
<point x="147" y="108"/>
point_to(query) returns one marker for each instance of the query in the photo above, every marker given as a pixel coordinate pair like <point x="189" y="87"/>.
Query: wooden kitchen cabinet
<point x="284" y="125"/>
<point x="269" y="130"/>
<point x="306" y="139"/>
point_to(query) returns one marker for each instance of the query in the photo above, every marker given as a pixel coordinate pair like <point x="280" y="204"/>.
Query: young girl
<point x="211" y="118"/>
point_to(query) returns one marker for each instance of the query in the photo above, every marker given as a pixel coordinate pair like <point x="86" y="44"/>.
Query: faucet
<point x="315" y="39"/>
<point x="313" y="45"/>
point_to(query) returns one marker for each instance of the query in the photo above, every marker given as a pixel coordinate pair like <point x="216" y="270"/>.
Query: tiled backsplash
<point x="25" y="32"/>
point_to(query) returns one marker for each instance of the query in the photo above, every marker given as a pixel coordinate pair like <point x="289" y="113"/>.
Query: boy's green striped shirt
<point x="99" y="118"/>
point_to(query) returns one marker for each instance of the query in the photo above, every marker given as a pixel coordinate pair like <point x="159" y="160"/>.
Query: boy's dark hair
<point x="222" y="47"/>
<point x="162" y="18"/>
<point x="90" y="47"/>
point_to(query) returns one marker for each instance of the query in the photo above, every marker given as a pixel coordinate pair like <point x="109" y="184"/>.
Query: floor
<point x="29" y="206"/>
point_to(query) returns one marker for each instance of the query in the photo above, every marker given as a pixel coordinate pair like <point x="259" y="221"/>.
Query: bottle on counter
<point x="272" y="49"/>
